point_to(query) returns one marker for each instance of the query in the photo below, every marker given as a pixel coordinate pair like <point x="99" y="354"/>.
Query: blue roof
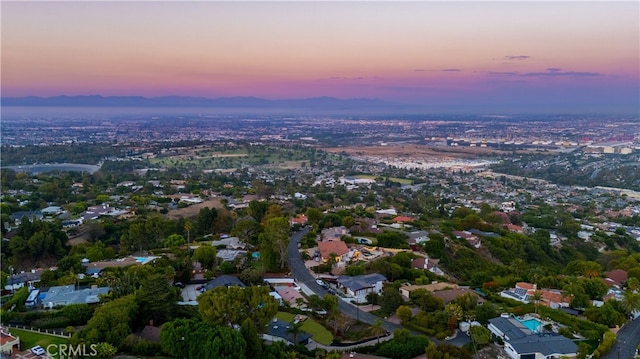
<point x="511" y="328"/>
<point x="547" y="344"/>
<point x="278" y="328"/>
<point x="224" y="280"/>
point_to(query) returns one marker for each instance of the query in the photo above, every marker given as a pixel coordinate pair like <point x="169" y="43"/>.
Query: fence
<point x="36" y="330"/>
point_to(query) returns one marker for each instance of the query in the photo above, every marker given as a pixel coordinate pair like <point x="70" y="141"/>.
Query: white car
<point x="320" y="282"/>
<point x="37" y="350"/>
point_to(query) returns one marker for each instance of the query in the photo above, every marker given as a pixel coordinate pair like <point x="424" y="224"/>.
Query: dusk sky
<point x="560" y="55"/>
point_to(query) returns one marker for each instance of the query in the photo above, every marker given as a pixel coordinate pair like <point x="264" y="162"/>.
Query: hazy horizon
<point x="577" y="57"/>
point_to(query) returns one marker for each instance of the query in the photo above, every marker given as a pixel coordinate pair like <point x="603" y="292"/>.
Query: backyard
<point x="318" y="333"/>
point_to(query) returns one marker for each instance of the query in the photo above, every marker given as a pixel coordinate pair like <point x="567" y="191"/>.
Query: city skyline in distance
<point x="444" y="56"/>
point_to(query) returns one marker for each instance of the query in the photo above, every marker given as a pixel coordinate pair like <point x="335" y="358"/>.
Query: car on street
<point x="321" y="283"/>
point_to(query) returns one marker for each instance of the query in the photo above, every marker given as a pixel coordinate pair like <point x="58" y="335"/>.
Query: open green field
<point x="31" y="339"/>
<point x="272" y="157"/>
<point x="318" y="333"/>
<point x="392" y="179"/>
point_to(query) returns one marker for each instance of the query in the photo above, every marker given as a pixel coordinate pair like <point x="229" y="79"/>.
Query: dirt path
<point x="192" y="210"/>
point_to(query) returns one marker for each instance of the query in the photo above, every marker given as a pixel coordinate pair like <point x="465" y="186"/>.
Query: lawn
<point x="392" y="179"/>
<point x="318" y="333"/>
<point x="31" y="339"/>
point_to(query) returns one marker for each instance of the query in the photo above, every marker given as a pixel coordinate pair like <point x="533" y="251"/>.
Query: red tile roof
<point x="328" y="247"/>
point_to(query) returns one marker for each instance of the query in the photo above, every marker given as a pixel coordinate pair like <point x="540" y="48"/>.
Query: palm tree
<point x="294" y="329"/>
<point x="536" y="297"/>
<point x="377" y="329"/>
<point x="187" y="228"/>
<point x="630" y="302"/>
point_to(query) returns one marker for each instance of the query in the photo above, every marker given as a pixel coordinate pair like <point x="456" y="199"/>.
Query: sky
<point x="558" y="55"/>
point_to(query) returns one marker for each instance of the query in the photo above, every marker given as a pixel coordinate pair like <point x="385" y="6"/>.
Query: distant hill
<point x="187" y="101"/>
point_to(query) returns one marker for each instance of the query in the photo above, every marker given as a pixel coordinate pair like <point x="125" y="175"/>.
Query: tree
<point x="454" y="312"/>
<point x="479" y="335"/>
<point x="174" y="240"/>
<point x="377" y="329"/>
<point x="536" y="297"/>
<point x="111" y="322"/>
<point x="156" y="299"/>
<point x="246" y="230"/>
<point x="404" y="313"/>
<point x="105" y="350"/>
<point x="630" y="302"/>
<point x="193" y="338"/>
<point x="295" y="328"/>
<point x="426" y="301"/>
<point x="206" y="256"/>
<point x="187" y="228"/>
<point x="274" y="241"/>
<point x="232" y="305"/>
<point x="251" y="338"/>
<point x="390" y="300"/>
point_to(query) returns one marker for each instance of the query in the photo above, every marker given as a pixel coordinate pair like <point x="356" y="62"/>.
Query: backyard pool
<point x="532" y="324"/>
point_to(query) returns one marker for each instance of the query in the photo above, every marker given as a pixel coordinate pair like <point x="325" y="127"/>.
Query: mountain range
<point x="331" y="103"/>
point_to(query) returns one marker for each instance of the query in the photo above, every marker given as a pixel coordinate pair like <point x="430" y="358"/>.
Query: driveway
<point x="303" y="277"/>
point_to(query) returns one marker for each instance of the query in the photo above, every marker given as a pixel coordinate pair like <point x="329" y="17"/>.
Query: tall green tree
<point x="274" y="241"/>
<point x="111" y="322"/>
<point x="206" y="256"/>
<point x="193" y="338"/>
<point x="251" y="338"/>
<point x="157" y="299"/>
<point x="232" y="305"/>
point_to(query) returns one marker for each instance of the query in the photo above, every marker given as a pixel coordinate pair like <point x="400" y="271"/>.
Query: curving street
<point x="626" y="342"/>
<point x="304" y="277"/>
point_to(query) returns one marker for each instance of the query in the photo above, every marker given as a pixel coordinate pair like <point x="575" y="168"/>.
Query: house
<point x="52" y="211"/>
<point x="617" y="277"/>
<point x="333" y="233"/>
<point x="403" y="219"/>
<point x="68" y="294"/>
<point x="359" y="286"/>
<point x="430" y="264"/>
<point x="436" y="286"/>
<point x="8" y="342"/>
<point x="299" y="220"/>
<point x="223" y="281"/>
<point x="520" y="342"/>
<point x="473" y="240"/>
<point x="339" y="248"/>
<point x="289" y="295"/>
<point x="278" y="331"/>
<point x="229" y="242"/>
<point x="521" y="292"/>
<point x="19" y="280"/>
<point x="419" y="236"/>
<point x="17" y="217"/>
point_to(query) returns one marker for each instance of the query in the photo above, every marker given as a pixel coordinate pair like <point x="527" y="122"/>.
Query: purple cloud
<point x="517" y="57"/>
<point x="450" y="70"/>
<point x="554" y="69"/>
<point x="557" y="72"/>
<point x="419" y="70"/>
<point x="502" y="73"/>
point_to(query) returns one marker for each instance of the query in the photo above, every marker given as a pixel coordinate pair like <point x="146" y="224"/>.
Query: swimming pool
<point x="532" y="324"/>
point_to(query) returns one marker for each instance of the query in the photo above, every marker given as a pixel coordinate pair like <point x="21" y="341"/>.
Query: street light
<point x="13" y="288"/>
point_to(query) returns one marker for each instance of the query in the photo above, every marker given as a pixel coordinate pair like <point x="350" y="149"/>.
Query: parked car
<point x="179" y="284"/>
<point x="37" y="350"/>
<point x="321" y="283"/>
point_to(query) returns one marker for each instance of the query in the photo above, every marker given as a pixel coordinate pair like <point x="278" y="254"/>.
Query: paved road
<point x="627" y="341"/>
<point x="303" y="276"/>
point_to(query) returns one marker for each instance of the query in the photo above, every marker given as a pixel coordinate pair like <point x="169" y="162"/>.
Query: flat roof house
<point x="522" y="343"/>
